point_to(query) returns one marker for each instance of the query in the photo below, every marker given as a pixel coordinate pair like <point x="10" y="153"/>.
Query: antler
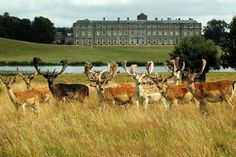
<point x="149" y="67"/>
<point x="133" y="69"/>
<point x="196" y="75"/>
<point x="36" y="61"/>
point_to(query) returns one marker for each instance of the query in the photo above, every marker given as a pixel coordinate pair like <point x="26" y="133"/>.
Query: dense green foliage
<point x="191" y="50"/>
<point x="40" y="30"/>
<point x="215" y="30"/>
<point x="229" y="46"/>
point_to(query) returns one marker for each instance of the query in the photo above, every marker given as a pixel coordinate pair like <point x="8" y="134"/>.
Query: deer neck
<point x="52" y="88"/>
<point x="100" y="92"/>
<point x="139" y="90"/>
<point x="13" y="98"/>
<point x="28" y="86"/>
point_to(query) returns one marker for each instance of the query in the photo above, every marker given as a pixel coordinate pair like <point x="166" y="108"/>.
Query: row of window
<point x="157" y="41"/>
<point x="126" y="32"/>
<point x="197" y="25"/>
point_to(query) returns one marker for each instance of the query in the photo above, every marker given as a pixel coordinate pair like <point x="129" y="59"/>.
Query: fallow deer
<point x="45" y="93"/>
<point x="145" y="92"/>
<point x="210" y="91"/>
<point x="62" y="91"/>
<point x="22" y="99"/>
<point x="111" y="93"/>
<point x="176" y="71"/>
<point x="174" y="94"/>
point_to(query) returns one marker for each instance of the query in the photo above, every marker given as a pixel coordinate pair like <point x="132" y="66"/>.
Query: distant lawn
<point x="22" y="52"/>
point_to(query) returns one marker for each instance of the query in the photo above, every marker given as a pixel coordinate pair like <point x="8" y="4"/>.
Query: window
<point x="83" y="33"/>
<point x="98" y="33"/>
<point x="185" y="33"/>
<point x="171" y="33"/>
<point x="149" y="32"/>
<point x="154" y="33"/>
<point x="103" y="32"/>
<point x="197" y="32"/>
<point x="126" y="32"/>
<point x="165" y="33"/>
<point x="114" y="32"/>
<point x="120" y="32"/>
<point x="159" y="32"/>
<point x="191" y="33"/>
<point x="89" y="33"/>
<point x="176" y="33"/>
<point x="109" y="32"/>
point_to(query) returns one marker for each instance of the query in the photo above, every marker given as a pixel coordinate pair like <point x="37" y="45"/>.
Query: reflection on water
<point x="80" y="69"/>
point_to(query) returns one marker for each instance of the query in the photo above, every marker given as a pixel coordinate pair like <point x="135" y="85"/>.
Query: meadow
<point x="72" y="129"/>
<point x="19" y="52"/>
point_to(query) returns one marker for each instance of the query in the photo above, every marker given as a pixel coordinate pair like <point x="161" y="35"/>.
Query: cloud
<point x="66" y="12"/>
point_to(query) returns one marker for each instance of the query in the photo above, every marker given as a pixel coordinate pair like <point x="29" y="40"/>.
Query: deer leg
<point x="23" y="109"/>
<point x="165" y="103"/>
<point x="229" y="101"/>
<point x="203" y="108"/>
<point x="145" y="103"/>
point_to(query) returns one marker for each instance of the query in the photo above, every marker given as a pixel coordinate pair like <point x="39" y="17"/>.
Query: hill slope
<point x="19" y="51"/>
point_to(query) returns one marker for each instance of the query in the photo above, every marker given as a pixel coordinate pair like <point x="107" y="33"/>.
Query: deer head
<point x="27" y="78"/>
<point x="101" y="77"/>
<point x="8" y="81"/>
<point x="49" y="76"/>
<point x="191" y="76"/>
<point x="176" y="69"/>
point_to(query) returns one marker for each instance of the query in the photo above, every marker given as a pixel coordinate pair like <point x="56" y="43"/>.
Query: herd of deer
<point x="149" y="87"/>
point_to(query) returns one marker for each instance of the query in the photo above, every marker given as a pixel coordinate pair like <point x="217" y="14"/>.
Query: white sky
<point x="63" y="13"/>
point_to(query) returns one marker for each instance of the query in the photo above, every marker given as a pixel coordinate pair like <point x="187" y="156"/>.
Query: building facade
<point x="134" y="32"/>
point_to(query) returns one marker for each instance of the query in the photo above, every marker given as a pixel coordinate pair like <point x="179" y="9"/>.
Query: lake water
<point x="80" y="69"/>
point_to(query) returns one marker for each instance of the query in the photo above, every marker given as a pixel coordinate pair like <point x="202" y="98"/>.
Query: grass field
<point x="22" y="53"/>
<point x="84" y="130"/>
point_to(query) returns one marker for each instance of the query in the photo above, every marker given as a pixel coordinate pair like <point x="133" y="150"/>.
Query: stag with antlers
<point x="145" y="92"/>
<point x="210" y="91"/>
<point x="111" y="93"/>
<point x="174" y="94"/>
<point x="45" y="93"/>
<point x="62" y="91"/>
<point x="22" y="99"/>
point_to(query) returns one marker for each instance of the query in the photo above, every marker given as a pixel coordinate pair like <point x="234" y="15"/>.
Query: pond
<point x="80" y="69"/>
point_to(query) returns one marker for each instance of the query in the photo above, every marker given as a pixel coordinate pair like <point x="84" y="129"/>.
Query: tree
<point x="43" y="30"/>
<point x="228" y="46"/>
<point x="192" y="49"/>
<point x="215" y="30"/>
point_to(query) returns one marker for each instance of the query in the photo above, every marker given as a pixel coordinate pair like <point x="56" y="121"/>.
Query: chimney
<point x="104" y="19"/>
<point x="118" y="18"/>
<point x="127" y="18"/>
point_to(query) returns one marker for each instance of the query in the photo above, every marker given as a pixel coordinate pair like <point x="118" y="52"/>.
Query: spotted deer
<point x="107" y="92"/>
<point x="210" y="91"/>
<point x="45" y="92"/>
<point x="145" y="92"/>
<point x="62" y="91"/>
<point x="173" y="93"/>
<point x="22" y="99"/>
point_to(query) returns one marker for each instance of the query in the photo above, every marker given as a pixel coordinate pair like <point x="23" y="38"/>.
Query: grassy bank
<point x="18" y="52"/>
<point x="84" y="130"/>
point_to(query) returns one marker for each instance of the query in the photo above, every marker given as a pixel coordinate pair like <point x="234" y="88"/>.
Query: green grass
<point x="12" y="51"/>
<point x="72" y="129"/>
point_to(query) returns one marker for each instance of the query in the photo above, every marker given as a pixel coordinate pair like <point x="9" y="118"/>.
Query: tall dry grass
<point x="72" y="129"/>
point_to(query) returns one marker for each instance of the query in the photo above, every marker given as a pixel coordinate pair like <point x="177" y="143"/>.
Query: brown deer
<point x="22" y="99"/>
<point x="111" y="93"/>
<point x="145" y="92"/>
<point x="173" y="93"/>
<point x="62" y="91"/>
<point x="45" y="92"/>
<point x="210" y="91"/>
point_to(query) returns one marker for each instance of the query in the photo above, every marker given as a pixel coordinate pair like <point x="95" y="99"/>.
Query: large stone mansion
<point x="134" y="32"/>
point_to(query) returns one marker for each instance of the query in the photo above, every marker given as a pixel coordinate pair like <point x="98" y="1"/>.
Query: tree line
<point x="40" y="30"/>
<point x="217" y="46"/>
